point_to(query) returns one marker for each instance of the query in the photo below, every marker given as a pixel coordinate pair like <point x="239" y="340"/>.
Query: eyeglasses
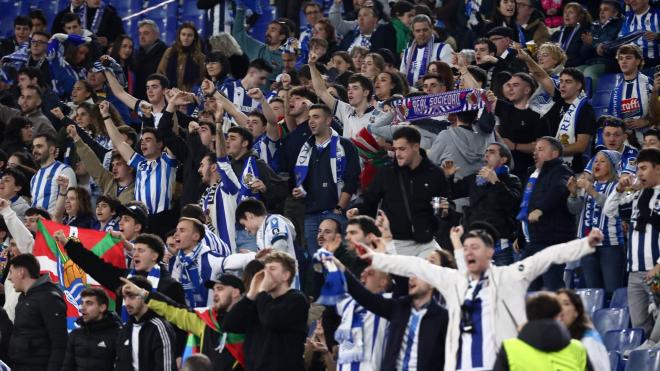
<point x="38" y="42"/>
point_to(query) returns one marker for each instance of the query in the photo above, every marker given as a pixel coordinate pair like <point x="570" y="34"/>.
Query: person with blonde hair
<point x="551" y="58"/>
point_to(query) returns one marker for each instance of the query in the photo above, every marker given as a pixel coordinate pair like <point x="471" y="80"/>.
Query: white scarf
<point x="566" y="130"/>
<point x="350" y="333"/>
<point x="337" y="161"/>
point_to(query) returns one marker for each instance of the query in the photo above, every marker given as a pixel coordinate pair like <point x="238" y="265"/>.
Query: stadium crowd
<point x="353" y="185"/>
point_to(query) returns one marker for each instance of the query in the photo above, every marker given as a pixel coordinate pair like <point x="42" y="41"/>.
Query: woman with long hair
<point x="386" y="84"/>
<point x="218" y="71"/>
<point x="325" y="30"/>
<point x="122" y="52"/>
<point x="577" y="22"/>
<point x="443" y="70"/>
<point x="504" y="14"/>
<point x="574" y="317"/>
<point x="373" y="65"/>
<point x="183" y="62"/>
<point x="73" y="207"/>
<point x="82" y="92"/>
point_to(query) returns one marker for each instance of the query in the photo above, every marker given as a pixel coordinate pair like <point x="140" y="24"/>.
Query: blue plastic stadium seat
<point x="619" y="297"/>
<point x="587" y="86"/>
<point x="601" y="99"/>
<point x="622" y="340"/>
<point x="644" y="360"/>
<point x="600" y="111"/>
<point x="606" y="82"/>
<point x="615" y="361"/>
<point x="611" y="319"/>
<point x="593" y="299"/>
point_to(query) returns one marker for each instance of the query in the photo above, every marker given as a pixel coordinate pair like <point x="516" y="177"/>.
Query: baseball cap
<point x="227" y="280"/>
<point x="135" y="211"/>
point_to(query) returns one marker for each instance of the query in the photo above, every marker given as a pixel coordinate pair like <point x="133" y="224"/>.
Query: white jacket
<point x="25" y="243"/>
<point x="507" y="287"/>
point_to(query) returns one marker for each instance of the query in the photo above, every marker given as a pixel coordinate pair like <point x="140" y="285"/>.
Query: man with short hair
<point x="406" y="189"/>
<point x="30" y="108"/>
<point x="355" y="115"/>
<point x="217" y="202"/>
<point x="155" y="171"/>
<point x="418" y="325"/>
<point x="273" y="231"/>
<point x="369" y="33"/>
<point x="93" y="345"/>
<point x="43" y="186"/>
<point x="119" y="183"/>
<point x="423" y="50"/>
<point x="502" y="37"/>
<point x="433" y="84"/>
<point x="22" y="28"/>
<point x="221" y="347"/>
<point x="273" y="317"/>
<point x="268" y="51"/>
<point x="642" y="196"/>
<point x="494" y="197"/>
<point x="612" y="132"/>
<point x="333" y="177"/>
<point x="40" y="318"/>
<point x="543" y="338"/>
<point x="195" y="263"/>
<point x="651" y="139"/>
<point x="237" y="91"/>
<point x="519" y="126"/>
<point x="156" y="104"/>
<point x="479" y="323"/>
<point x="148" y="55"/>
<point x="147" y="340"/>
<point x="244" y="173"/>
<point x="571" y="119"/>
<point x="544" y="213"/>
<point x="13" y="187"/>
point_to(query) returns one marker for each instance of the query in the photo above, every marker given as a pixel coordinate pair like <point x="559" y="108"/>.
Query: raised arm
<point x="220" y="144"/>
<point x="267" y="110"/>
<point x="20" y="233"/>
<point x="118" y="90"/>
<point x="117" y="140"/>
<point x="318" y="83"/>
<point x="537" y="71"/>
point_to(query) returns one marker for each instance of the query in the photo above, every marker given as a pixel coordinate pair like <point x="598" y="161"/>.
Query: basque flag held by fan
<point x="71" y="279"/>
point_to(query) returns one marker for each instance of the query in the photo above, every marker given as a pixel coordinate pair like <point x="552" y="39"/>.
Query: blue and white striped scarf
<point x="191" y="278"/>
<point x="334" y="285"/>
<point x="337" y="161"/>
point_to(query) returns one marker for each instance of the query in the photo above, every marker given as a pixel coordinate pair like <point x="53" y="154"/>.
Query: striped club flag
<point x="63" y="271"/>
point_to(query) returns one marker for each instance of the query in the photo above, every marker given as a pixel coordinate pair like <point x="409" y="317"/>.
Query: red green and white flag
<point x="233" y="342"/>
<point x="63" y="271"/>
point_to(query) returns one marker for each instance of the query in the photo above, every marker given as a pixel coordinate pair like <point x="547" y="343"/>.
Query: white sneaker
<point x="648" y="344"/>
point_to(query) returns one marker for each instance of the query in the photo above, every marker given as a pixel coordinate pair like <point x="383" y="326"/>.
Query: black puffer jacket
<point x="421" y="184"/>
<point x="39" y="337"/>
<point x="93" y="346"/>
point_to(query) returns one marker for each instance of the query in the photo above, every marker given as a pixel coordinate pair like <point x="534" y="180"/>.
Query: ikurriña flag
<point x="64" y="272"/>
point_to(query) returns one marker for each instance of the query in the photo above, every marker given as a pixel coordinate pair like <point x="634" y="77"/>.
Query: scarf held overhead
<point x="425" y="106"/>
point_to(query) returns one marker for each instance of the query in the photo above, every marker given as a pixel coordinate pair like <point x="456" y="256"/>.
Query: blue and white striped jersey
<point x="219" y="202"/>
<point x="275" y="228"/>
<point x="44" y="188"/>
<point x="592" y="216"/>
<point x="643" y="241"/>
<point x="237" y="94"/>
<point x="374" y="333"/>
<point x="154" y="181"/>
<point x="214" y="242"/>
<point x="268" y="150"/>
<point x="648" y="21"/>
